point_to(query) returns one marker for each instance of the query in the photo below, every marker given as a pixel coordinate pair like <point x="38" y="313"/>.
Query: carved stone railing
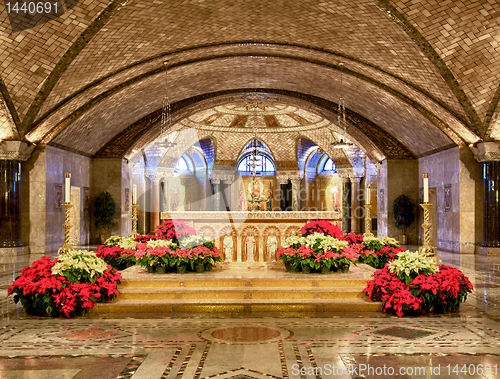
<point x="295" y="216"/>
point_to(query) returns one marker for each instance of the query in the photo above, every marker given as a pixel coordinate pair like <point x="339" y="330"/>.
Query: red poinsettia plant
<point x="321" y="226"/>
<point x="379" y="258"/>
<point x="44" y="294"/>
<point x="174" y="230"/>
<point x="438" y="292"/>
<point x="353" y="238"/>
<point x="116" y="257"/>
<point x="145" y="238"/>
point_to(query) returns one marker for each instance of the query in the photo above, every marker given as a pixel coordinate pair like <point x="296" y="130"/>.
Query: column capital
<point x="215" y="181"/>
<point x="282" y="179"/>
<point x="355" y="179"/>
<point x="16" y="150"/>
<point x="486" y="151"/>
<point x="164" y="173"/>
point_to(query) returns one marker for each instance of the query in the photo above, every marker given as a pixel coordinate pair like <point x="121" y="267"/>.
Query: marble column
<point x="295" y="194"/>
<point x="491" y="211"/>
<point x="282" y="183"/>
<point x="356" y="210"/>
<point x="12" y="154"/>
<point x="10" y="203"/>
<point x="155" y="205"/>
<point x="217" y="194"/>
<point x="346" y="205"/>
<point x="227" y="195"/>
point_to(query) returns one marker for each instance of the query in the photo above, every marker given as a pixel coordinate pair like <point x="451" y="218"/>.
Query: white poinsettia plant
<point x="161" y="243"/>
<point x="124" y="243"/>
<point x="295" y="241"/>
<point x="78" y="264"/>
<point x="317" y="241"/>
<point x="407" y="266"/>
<point x="377" y="243"/>
<point x="193" y="241"/>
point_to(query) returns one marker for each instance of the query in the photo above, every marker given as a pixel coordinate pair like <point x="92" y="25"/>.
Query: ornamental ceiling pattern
<point x="425" y="72"/>
<point x="265" y="117"/>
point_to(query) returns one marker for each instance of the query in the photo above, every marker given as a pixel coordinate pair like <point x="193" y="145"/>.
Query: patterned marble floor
<point x="465" y="344"/>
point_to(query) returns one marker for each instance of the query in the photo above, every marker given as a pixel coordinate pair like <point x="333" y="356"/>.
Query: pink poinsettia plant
<point x="43" y="293"/>
<point x="438" y="292"/>
<point x="322" y="227"/>
<point x="174" y="230"/>
<point x="153" y="255"/>
<point x="172" y="257"/>
<point x="317" y="259"/>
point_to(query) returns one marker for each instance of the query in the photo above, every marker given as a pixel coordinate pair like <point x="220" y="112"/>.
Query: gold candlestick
<point x="67" y="226"/>
<point x="134" y="221"/>
<point x="368" y="221"/>
<point x="427" y="250"/>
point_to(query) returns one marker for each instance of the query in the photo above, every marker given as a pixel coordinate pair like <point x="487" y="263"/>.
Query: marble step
<point x="174" y="280"/>
<point x="131" y="293"/>
<point x="237" y="305"/>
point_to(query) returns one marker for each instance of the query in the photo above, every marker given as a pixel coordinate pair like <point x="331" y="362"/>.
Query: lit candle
<point x="134" y="194"/>
<point x="368" y="195"/>
<point x="67" y="188"/>
<point x="426" y="187"/>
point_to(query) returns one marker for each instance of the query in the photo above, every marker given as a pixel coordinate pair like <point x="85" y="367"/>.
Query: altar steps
<point x="241" y="291"/>
<point x="237" y="306"/>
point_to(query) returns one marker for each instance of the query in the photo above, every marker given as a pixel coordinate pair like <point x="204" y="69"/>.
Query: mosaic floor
<point x="465" y="344"/>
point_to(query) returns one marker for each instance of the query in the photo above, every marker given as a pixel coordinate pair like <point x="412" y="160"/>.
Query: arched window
<point x="326" y="166"/>
<point x="182" y="166"/>
<point x="263" y="165"/>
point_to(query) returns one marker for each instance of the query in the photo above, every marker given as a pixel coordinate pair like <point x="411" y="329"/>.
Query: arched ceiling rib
<point x="141" y="98"/>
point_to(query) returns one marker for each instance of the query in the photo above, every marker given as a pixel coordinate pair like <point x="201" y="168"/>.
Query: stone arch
<point x="291" y="230"/>
<point x="244" y="234"/>
<point x="207" y="231"/>
<point x="268" y="231"/>
<point x="228" y="230"/>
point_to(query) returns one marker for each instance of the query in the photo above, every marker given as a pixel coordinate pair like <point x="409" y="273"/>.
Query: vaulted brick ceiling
<point x="420" y="75"/>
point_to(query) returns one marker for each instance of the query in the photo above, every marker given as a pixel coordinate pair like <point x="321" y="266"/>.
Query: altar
<point x="250" y="236"/>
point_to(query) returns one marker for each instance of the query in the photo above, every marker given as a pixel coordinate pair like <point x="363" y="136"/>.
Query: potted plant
<point x="403" y="214"/>
<point x="105" y="210"/>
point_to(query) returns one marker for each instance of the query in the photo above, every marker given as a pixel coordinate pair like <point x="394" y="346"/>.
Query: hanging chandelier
<point x="166" y="116"/>
<point x="341" y="118"/>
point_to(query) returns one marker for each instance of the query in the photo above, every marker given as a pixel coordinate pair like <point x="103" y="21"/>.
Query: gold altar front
<point x="250" y="236"/>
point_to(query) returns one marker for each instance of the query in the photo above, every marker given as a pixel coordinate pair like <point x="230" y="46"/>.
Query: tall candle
<point x="67" y="185"/>
<point x="368" y="195"/>
<point x="134" y="194"/>
<point x="426" y="187"/>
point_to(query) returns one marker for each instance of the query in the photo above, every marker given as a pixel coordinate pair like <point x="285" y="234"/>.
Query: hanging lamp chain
<point x="341" y="106"/>
<point x="166" y="116"/>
